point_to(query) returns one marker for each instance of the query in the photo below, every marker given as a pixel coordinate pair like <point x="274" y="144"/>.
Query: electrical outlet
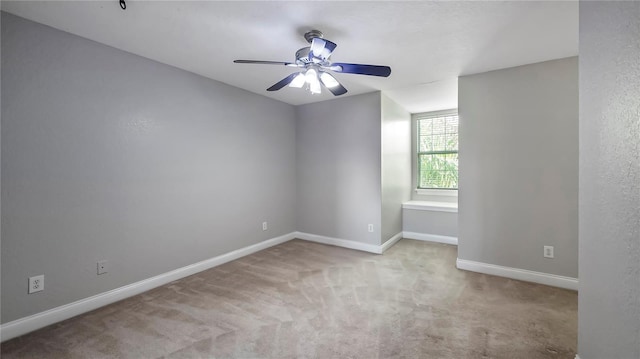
<point x="548" y="251"/>
<point x="102" y="267"/>
<point x="264" y="226"/>
<point x="36" y="284"/>
<point x="370" y="228"/>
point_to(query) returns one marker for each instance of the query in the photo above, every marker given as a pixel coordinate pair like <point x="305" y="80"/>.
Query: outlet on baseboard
<point x="370" y="228"/>
<point x="548" y="251"/>
<point x="264" y="226"/>
<point x="36" y="284"/>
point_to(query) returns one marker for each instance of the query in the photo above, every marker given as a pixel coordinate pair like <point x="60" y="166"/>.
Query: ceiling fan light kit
<point x="315" y="62"/>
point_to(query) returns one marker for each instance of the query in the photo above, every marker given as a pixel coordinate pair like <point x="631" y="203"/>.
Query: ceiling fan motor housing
<point x="302" y="55"/>
<point x="303" y="58"/>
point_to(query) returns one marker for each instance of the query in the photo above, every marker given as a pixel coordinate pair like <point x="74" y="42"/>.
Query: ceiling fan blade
<point x="337" y="90"/>
<point x="332" y="84"/>
<point x="265" y="62"/>
<point x="282" y="83"/>
<point x="321" y="48"/>
<point x="371" y="70"/>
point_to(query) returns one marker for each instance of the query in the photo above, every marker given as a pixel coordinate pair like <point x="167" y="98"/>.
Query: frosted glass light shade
<point x="298" y="81"/>
<point x="314" y="83"/>
<point x="328" y="80"/>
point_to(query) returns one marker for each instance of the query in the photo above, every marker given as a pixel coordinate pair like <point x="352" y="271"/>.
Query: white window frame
<point x="414" y="155"/>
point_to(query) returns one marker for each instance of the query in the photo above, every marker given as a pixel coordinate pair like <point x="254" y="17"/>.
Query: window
<point x="437" y="150"/>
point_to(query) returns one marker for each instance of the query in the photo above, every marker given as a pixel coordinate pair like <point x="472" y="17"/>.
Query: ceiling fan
<point x="315" y="64"/>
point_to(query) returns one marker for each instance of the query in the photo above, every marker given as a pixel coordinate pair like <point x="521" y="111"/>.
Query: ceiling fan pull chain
<point x="123" y="5"/>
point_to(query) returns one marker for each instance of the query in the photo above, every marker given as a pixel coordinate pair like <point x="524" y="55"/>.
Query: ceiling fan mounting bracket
<point x="312" y="34"/>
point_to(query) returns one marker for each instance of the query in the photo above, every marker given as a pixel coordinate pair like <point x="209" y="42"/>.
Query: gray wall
<point x="338" y="146"/>
<point x="107" y="155"/>
<point x="430" y="222"/>
<point x="519" y="167"/>
<point x="396" y="165"/>
<point x="0" y="172"/>
<point x="609" y="292"/>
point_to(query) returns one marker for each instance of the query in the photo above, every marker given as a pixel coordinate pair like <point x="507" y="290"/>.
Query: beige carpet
<point x="307" y="300"/>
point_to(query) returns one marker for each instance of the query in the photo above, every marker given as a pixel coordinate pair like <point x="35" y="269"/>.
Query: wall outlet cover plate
<point x="36" y="284"/>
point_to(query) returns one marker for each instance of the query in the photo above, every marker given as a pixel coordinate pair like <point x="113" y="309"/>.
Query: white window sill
<point x="437" y="192"/>
<point x="431" y="206"/>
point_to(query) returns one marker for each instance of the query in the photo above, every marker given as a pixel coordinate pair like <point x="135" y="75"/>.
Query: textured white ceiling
<point x="427" y="44"/>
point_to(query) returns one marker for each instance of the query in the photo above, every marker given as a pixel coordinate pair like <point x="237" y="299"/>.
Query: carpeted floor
<point x="307" y="300"/>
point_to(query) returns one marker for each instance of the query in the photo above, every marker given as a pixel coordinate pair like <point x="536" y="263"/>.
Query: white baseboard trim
<point x="431" y="238"/>
<point x="519" y="274"/>
<point x="371" y="248"/>
<point x="344" y="243"/>
<point x="389" y="243"/>
<point x="39" y="320"/>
